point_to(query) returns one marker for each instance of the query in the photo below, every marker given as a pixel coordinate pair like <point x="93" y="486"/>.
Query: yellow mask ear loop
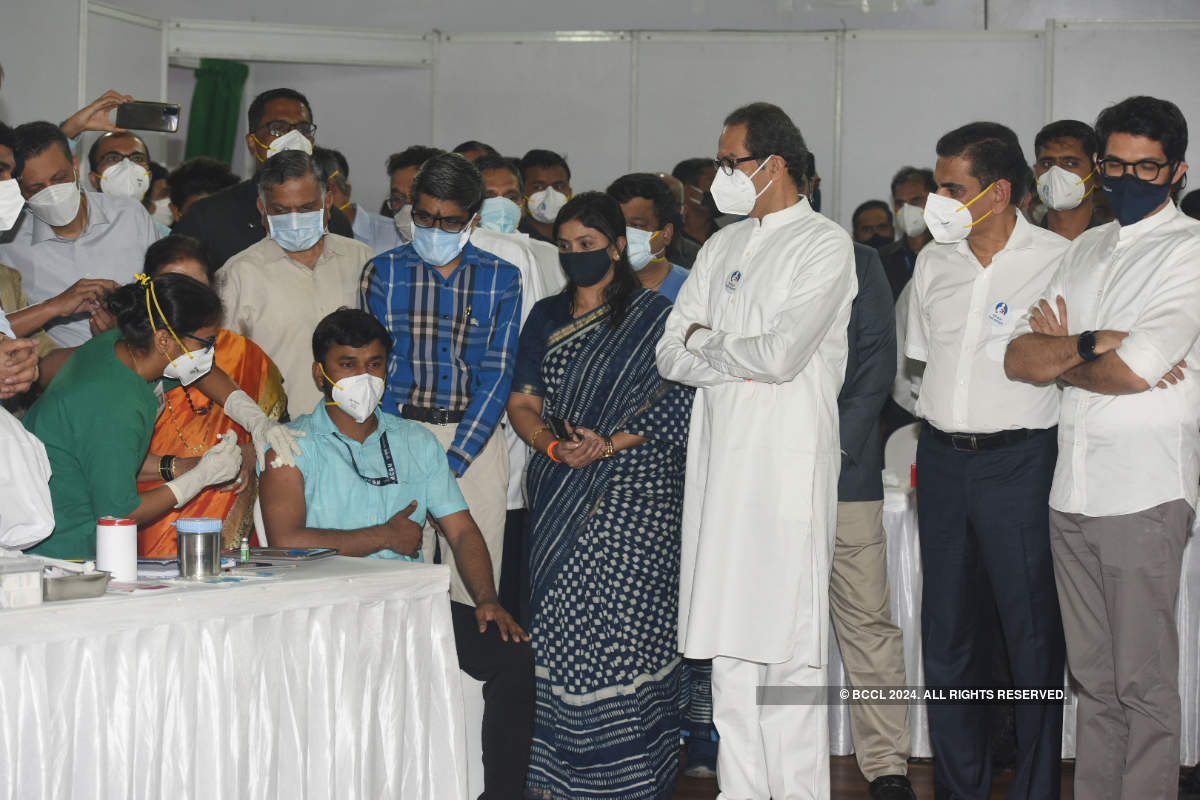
<point x="332" y="382"/>
<point x="1089" y="191"/>
<point x="972" y="200"/>
<point x="260" y="144"/>
<point x="145" y="280"/>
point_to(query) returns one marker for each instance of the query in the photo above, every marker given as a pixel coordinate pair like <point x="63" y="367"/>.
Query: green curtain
<point x="216" y="105"/>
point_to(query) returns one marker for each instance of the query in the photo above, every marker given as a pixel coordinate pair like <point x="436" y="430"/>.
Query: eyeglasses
<point x="423" y="219"/>
<point x="727" y="165"/>
<point x="1145" y="170"/>
<point x="209" y="343"/>
<point x="112" y="158"/>
<point x="278" y="127"/>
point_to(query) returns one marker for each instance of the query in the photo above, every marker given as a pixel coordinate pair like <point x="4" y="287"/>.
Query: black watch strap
<point x="1086" y="344"/>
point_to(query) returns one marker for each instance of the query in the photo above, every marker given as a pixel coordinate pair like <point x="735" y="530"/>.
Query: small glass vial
<point x="245" y="551"/>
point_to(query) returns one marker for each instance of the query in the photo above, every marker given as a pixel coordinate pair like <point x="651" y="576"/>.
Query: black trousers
<point x="506" y="669"/>
<point x="985" y="540"/>
<point x="514" y="565"/>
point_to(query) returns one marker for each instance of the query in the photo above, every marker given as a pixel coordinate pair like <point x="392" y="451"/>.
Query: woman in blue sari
<point x="605" y="504"/>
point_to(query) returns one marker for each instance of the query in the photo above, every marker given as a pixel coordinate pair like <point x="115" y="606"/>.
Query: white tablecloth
<point x="339" y="681"/>
<point x="904" y="574"/>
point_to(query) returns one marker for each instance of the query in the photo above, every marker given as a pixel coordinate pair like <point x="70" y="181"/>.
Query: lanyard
<point x="387" y="460"/>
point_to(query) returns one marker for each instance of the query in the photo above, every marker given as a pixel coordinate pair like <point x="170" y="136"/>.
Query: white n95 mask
<point x="358" y="395"/>
<point x="57" y="204"/>
<point x="1062" y="190"/>
<point x="734" y="194"/>
<point x="292" y="140"/>
<point x="11" y="203"/>
<point x="404" y="223"/>
<point x="191" y="366"/>
<point x="162" y="213"/>
<point x="126" y="179"/>
<point x="911" y="219"/>
<point x="948" y="219"/>
<point x="545" y="205"/>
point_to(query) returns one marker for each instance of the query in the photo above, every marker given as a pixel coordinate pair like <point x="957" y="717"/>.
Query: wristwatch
<point x="1087" y="346"/>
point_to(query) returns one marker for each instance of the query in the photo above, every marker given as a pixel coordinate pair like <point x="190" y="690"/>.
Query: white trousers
<point x="485" y="488"/>
<point x="769" y="751"/>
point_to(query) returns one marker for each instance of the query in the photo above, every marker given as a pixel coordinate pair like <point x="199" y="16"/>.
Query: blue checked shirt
<point x="455" y="339"/>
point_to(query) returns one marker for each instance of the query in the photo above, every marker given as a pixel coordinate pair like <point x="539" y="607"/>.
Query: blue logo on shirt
<point x="732" y="282"/>
<point x="999" y="313"/>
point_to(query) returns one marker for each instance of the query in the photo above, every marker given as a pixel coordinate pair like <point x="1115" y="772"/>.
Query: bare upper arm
<point x="525" y="402"/>
<point x="457" y="526"/>
<point x="281" y="494"/>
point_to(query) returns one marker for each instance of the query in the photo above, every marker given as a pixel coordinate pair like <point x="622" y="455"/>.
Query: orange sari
<point x="182" y="432"/>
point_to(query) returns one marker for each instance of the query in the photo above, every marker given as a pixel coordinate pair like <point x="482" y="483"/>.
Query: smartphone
<point x="145" y="116"/>
<point x="559" y="428"/>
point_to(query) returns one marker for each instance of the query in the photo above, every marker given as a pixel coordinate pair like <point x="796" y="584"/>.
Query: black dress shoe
<point x="892" y="787"/>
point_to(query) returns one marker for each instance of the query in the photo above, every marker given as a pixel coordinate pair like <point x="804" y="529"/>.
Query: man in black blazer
<point x="859" y="599"/>
<point x="229" y="221"/>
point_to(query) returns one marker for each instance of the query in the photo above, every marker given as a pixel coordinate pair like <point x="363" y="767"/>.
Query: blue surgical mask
<point x="438" y="247"/>
<point x="499" y="214"/>
<point x="1131" y="199"/>
<point x="639" y="252"/>
<point x="299" y="231"/>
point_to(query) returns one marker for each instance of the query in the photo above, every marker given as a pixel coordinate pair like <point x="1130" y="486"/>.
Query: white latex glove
<point x="264" y="431"/>
<point x="219" y="464"/>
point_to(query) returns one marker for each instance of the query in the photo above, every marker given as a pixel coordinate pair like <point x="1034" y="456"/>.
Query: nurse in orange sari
<point x="190" y="423"/>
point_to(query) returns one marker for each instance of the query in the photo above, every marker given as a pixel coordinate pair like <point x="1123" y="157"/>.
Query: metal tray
<point x="75" y="587"/>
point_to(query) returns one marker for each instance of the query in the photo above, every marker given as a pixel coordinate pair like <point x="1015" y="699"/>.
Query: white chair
<point x="472" y="691"/>
<point x="900" y="452"/>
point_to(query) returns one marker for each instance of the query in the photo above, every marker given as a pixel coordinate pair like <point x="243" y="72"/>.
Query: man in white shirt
<point x="278" y="289"/>
<point x="760" y="328"/>
<point x="984" y="463"/>
<point x="65" y="234"/>
<point x="1119" y="327"/>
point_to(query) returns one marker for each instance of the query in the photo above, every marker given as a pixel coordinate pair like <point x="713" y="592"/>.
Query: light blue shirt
<point x="378" y="233"/>
<point x="335" y="495"/>
<point x="670" y="285"/>
<point x="112" y="245"/>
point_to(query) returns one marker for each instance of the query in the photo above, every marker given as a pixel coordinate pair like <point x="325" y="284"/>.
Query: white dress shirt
<point x="26" y="515"/>
<point x="277" y="302"/>
<point x="515" y="249"/>
<point x="5" y="326"/>
<point x="376" y="232"/>
<point x="113" y="245"/>
<point x="961" y="316"/>
<point x="907" y="385"/>
<point x="1123" y="454"/>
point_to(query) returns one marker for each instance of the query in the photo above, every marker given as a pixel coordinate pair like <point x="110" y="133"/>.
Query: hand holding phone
<point x="146" y="116"/>
<point x="558" y="427"/>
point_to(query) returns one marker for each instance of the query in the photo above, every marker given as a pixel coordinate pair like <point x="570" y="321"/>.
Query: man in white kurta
<point x="760" y="328"/>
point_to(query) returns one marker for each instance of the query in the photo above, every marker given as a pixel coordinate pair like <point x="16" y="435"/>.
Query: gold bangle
<point x="609" y="450"/>
<point x="533" y="439"/>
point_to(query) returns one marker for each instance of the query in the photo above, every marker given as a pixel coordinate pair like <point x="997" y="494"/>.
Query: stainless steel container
<point x="199" y="547"/>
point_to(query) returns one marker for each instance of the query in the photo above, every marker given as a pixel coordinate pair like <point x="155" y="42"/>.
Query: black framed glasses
<point x="1146" y="170"/>
<point x="209" y="343"/>
<point x="278" y="127"/>
<point x="727" y="165"/>
<point x="423" y="219"/>
<point x="112" y="158"/>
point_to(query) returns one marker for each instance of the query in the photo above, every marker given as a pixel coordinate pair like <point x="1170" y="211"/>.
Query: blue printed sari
<point x="604" y="551"/>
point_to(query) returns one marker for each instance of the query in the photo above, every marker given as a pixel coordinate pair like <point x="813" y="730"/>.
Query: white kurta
<point x="760" y="502"/>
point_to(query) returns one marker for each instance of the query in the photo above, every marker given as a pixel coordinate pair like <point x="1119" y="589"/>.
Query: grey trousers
<point x="871" y="643"/>
<point x="1118" y="578"/>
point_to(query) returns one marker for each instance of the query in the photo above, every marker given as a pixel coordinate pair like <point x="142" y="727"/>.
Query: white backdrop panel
<point x="570" y="97"/>
<point x="1095" y="67"/>
<point x="40" y="53"/>
<point x="128" y="57"/>
<point x="687" y="84"/>
<point x="902" y="91"/>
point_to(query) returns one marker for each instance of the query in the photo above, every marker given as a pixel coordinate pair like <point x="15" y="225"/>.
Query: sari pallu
<point x="180" y="432"/>
<point x="605" y="565"/>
